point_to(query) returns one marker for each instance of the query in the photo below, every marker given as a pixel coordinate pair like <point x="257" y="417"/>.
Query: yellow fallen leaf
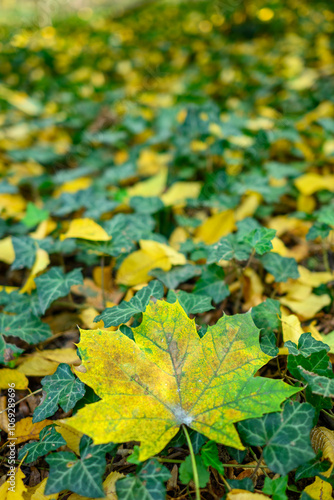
<point x="180" y="191"/>
<point x="245" y="495"/>
<point x="40" y="364"/>
<point x="73" y="186"/>
<point x="3" y="414"/>
<point x="71" y="436"/>
<point x="323" y="439"/>
<point x="12" y="205"/>
<point x="150" y="162"/>
<point x="309" y="307"/>
<point x="42" y="261"/>
<point x="37" y="492"/>
<point x="295" y="290"/>
<point x="314" y="279"/>
<point x="178" y="236"/>
<point x="135" y="268"/>
<point x="248" y="206"/>
<point x="103" y="276"/>
<point x="7" y="253"/>
<point x="26" y="430"/>
<point x="329" y="340"/>
<point x="284" y="224"/>
<point x="306" y="204"/>
<point x="9" y="376"/>
<point x="252" y="290"/>
<point x="109" y="487"/>
<point x="9" y="289"/>
<point x="14" y="481"/>
<point x="215" y="227"/>
<point x="310" y="183"/>
<point x="291" y="328"/>
<point x="153" y="186"/>
<point x="88" y="315"/>
<point x="319" y="490"/>
<point x="86" y="229"/>
<point x="43" y="229"/>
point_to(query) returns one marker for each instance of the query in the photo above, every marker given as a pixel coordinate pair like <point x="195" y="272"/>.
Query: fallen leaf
<point x="42" y="261"/>
<point x="244" y="495"/>
<point x="170" y="376"/>
<point x="40" y="364"/>
<point x="319" y="490"/>
<point x="14" y="481"/>
<point x="179" y="192"/>
<point x="9" y="376"/>
<point x="109" y="486"/>
<point x="85" y="229"/>
<point x="311" y="182"/>
<point x="26" y="430"/>
<point x="37" y="492"/>
<point x="7" y="253"/>
<point x="135" y="268"/>
<point x="215" y="227"/>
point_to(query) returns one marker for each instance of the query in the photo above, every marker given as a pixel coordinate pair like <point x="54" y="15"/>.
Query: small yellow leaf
<point x="43" y="229"/>
<point x="319" y="490"/>
<point x="109" y="487"/>
<point x="180" y="191"/>
<point x="71" y="436"/>
<point x="314" y="279"/>
<point x="37" y="492"/>
<point x="13" y="488"/>
<point x="215" y="227"/>
<point x="248" y="206"/>
<point x="41" y="262"/>
<point x="73" y="186"/>
<point x="309" y="307"/>
<point x="12" y="205"/>
<point x="150" y="162"/>
<point x="9" y="376"/>
<point x="323" y="439"/>
<point x="153" y="186"/>
<point x="7" y="253"/>
<point x="40" y="364"/>
<point x="135" y="268"/>
<point x="291" y="328"/>
<point x="26" y="430"/>
<point x="245" y="495"/>
<point x="310" y="183"/>
<point x="86" y="229"/>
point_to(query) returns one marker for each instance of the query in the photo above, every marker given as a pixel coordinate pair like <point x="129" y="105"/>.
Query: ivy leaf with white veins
<point x="83" y="476"/>
<point x="282" y="268"/>
<point x="63" y="389"/>
<point x="146" y="484"/>
<point x="260" y="240"/>
<point x="25" y="252"/>
<point x="25" y="326"/>
<point x="50" y="440"/>
<point x="212" y="283"/>
<point x="114" y="316"/>
<point x="54" y="284"/>
<point x="192" y="303"/>
<point x="285" y="435"/>
<point x="170" y="376"/>
<point x="324" y="386"/>
<point x="179" y="274"/>
<point x="228" y="248"/>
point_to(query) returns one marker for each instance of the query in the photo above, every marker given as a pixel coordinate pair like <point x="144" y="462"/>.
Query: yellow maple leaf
<point x="86" y="229"/>
<point x="171" y="377"/>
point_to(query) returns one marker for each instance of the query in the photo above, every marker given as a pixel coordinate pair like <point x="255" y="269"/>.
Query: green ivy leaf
<point x="186" y="473"/>
<point x="192" y="303"/>
<point x="260" y="240"/>
<point x="25" y="252"/>
<point x="54" y="284"/>
<point x="282" y="268"/>
<point x="34" y="215"/>
<point x="114" y="316"/>
<point x="276" y="487"/>
<point x="285" y="435"/>
<point x="50" y="440"/>
<point x="63" y="389"/>
<point x="209" y="454"/>
<point x="146" y="484"/>
<point x="179" y="274"/>
<point x="307" y="345"/>
<point x="25" y="326"/>
<point x="323" y="386"/>
<point x="212" y="283"/>
<point x="83" y="476"/>
<point x="266" y="317"/>
<point x="146" y="205"/>
<point x="312" y="468"/>
<point x="228" y="248"/>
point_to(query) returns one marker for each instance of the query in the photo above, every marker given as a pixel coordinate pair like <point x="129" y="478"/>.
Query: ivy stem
<point x="193" y="462"/>
<point x="25" y="397"/>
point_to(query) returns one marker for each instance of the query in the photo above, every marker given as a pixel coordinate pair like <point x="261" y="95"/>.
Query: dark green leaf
<point x="50" y="440"/>
<point x="54" y="284"/>
<point x="192" y="303"/>
<point x="186" y="471"/>
<point x="282" y="268"/>
<point x="146" y="484"/>
<point x="212" y="283"/>
<point x="63" y="389"/>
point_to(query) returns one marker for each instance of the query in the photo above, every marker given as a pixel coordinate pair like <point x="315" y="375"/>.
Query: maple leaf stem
<point x="193" y="462"/>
